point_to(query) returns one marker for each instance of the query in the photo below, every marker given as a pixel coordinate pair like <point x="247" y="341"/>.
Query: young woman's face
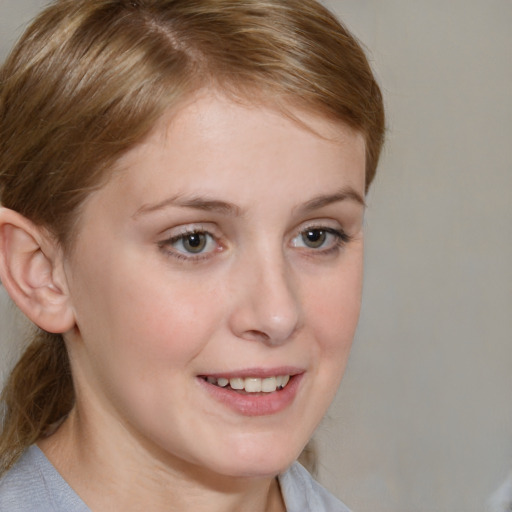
<point x="221" y="263"/>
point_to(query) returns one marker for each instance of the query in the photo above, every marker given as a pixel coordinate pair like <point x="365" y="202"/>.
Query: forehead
<point x="213" y="120"/>
<point x="221" y="109"/>
<point x="239" y="152"/>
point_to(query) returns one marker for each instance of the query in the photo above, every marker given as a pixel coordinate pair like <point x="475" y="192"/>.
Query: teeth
<point x="237" y="383"/>
<point x="252" y="384"/>
<point x="270" y="384"/>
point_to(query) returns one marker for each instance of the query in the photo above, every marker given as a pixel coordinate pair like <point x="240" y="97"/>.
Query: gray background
<point x="423" y="421"/>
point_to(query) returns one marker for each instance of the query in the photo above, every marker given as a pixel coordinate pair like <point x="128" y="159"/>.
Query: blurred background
<point x="423" y="420"/>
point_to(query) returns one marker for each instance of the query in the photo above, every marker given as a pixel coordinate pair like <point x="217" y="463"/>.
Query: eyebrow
<point x="196" y="203"/>
<point x="344" y="194"/>
<point x="225" y="208"/>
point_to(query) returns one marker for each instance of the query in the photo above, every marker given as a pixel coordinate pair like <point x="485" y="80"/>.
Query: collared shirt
<point x="34" y="485"/>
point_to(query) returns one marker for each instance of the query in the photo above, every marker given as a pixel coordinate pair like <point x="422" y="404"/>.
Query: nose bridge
<point x="267" y="306"/>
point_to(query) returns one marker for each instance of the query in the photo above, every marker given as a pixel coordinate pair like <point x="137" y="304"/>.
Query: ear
<point x="31" y="270"/>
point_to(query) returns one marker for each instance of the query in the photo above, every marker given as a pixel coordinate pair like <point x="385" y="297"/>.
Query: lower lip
<point x="255" y="404"/>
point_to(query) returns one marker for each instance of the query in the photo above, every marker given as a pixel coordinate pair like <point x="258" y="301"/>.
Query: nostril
<point x="256" y="335"/>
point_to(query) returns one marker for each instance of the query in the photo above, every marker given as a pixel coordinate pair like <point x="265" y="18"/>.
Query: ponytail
<point x="37" y="396"/>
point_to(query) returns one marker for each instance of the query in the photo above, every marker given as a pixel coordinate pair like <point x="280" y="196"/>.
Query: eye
<point x="190" y="243"/>
<point x="320" y="238"/>
<point x="314" y="238"/>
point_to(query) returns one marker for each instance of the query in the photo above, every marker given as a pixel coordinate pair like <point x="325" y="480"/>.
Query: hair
<point x="89" y="79"/>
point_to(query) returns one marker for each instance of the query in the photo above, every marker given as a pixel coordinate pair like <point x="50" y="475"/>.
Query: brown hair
<point x="89" y="79"/>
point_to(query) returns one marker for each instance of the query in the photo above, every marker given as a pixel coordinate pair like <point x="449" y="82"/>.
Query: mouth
<point x="248" y="385"/>
<point x="255" y="392"/>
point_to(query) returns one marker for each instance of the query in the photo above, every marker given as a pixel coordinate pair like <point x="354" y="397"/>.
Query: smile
<point x="255" y="392"/>
<point x="251" y="384"/>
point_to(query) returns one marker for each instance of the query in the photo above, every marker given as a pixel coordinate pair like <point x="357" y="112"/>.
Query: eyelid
<point x="189" y="227"/>
<point x="329" y="225"/>
<point x="341" y="236"/>
<point x="180" y="232"/>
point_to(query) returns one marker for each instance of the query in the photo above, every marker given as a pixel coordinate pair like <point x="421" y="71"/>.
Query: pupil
<point x="195" y="242"/>
<point x="314" y="237"/>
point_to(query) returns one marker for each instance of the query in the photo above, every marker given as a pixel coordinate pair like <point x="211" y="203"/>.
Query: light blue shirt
<point x="34" y="485"/>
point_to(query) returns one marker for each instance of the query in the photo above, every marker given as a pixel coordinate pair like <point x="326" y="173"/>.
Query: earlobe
<point x="31" y="271"/>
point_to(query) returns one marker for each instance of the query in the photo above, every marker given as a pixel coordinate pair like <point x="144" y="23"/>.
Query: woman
<point x="183" y="191"/>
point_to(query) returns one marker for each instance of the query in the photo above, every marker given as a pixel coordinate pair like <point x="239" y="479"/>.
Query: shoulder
<point x="501" y="499"/>
<point x="302" y="493"/>
<point x="34" y="484"/>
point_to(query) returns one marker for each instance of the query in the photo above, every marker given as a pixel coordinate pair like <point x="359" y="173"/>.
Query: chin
<point x="259" y="460"/>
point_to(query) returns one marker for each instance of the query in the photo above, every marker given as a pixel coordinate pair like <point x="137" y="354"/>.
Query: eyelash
<point x="189" y="257"/>
<point x="341" y="239"/>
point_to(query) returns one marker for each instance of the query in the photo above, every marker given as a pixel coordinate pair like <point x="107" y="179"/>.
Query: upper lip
<point x="261" y="373"/>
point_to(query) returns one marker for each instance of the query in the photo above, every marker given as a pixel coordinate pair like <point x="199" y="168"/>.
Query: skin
<point x="150" y="317"/>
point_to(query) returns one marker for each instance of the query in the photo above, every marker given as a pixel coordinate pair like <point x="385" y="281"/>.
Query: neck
<point x="130" y="476"/>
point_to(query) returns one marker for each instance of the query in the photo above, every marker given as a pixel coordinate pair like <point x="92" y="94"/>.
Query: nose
<point x="266" y="304"/>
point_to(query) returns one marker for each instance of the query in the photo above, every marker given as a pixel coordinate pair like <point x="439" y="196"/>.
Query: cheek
<point x="167" y="323"/>
<point x="331" y="308"/>
<point x="140" y="341"/>
<point x="332" y="311"/>
<point x="138" y="325"/>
